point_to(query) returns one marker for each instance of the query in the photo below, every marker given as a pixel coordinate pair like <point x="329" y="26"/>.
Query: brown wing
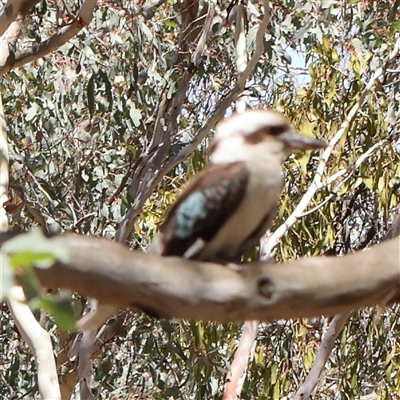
<point x="203" y="207"/>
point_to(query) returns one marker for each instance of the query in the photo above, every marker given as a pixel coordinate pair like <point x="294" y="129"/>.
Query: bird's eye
<point x="276" y="130"/>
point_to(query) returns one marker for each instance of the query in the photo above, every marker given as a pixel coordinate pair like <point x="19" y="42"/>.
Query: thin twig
<point x="39" y="343"/>
<point x="316" y="184"/>
<point x="349" y="170"/>
<point x="241" y="53"/>
<point x="62" y="36"/>
<point x="324" y="352"/>
<point x="259" y="46"/>
<point x="8" y="14"/>
<point x="4" y="175"/>
<point x="237" y="373"/>
<point x="336" y="325"/>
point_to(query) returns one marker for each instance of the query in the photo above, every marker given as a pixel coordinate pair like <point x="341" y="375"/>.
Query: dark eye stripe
<point x="277" y="129"/>
<point x="254" y="138"/>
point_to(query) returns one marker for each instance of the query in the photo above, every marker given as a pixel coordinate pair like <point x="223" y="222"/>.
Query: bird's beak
<point x="299" y="142"/>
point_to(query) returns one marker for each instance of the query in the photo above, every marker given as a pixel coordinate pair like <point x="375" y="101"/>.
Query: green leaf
<point x="6" y="275"/>
<point x="396" y="25"/>
<point x="169" y="23"/>
<point x="60" y="308"/>
<point x="274" y="373"/>
<point x="135" y="72"/>
<point x="31" y="285"/>
<point x="108" y="85"/>
<point x="29" y="258"/>
<point x="34" y="249"/>
<point x="90" y="94"/>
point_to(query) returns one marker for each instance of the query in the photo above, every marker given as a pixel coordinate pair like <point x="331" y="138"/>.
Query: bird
<point x="231" y="203"/>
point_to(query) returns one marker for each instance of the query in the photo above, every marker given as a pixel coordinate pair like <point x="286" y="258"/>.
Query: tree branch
<point x="85" y="364"/>
<point x="259" y="46"/>
<point x="205" y="33"/>
<point x="174" y="287"/>
<point x="8" y="41"/>
<point x="324" y="352"/>
<point x="395" y="226"/>
<point x="241" y="53"/>
<point x="8" y="14"/>
<point x="55" y="41"/>
<point x="10" y="11"/>
<point x="237" y="373"/>
<point x="316" y="184"/>
<point x="335" y="327"/>
<point x="38" y="341"/>
<point x="4" y="177"/>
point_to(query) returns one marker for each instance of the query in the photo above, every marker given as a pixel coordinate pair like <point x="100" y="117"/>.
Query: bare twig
<point x="241" y="53"/>
<point x="316" y="184"/>
<point x="349" y="171"/>
<point x="4" y="177"/>
<point x="244" y="353"/>
<point x="54" y="42"/>
<point x="86" y="345"/>
<point x="353" y="167"/>
<point x="8" y="14"/>
<point x="237" y="373"/>
<point x="96" y="317"/>
<point x="8" y="41"/>
<point x="394" y="230"/>
<point x="149" y="6"/>
<point x="259" y="46"/>
<point x="39" y="343"/>
<point x="335" y="327"/>
<point x="371" y="396"/>
<point x="324" y="352"/>
<point x="158" y="126"/>
<point x="201" y="44"/>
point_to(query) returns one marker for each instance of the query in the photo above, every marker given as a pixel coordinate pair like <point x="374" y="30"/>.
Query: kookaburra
<point x="231" y="203"/>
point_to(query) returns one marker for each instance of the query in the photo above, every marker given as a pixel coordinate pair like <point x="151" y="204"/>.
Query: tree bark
<point x="173" y="287"/>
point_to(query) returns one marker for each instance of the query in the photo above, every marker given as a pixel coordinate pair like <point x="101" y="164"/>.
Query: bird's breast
<point x="261" y="197"/>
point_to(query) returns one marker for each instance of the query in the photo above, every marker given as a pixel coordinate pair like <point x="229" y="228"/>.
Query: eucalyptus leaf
<point x="61" y="309"/>
<point x="34" y="249"/>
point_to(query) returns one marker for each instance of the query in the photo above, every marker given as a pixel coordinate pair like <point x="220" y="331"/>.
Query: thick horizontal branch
<point x="174" y="287"/>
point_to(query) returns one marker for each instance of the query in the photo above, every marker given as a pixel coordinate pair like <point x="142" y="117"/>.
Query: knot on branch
<point x="266" y="287"/>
